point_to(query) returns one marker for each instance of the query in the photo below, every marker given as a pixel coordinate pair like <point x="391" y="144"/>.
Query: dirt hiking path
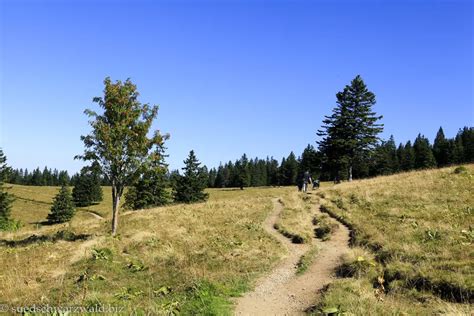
<point x="282" y="292"/>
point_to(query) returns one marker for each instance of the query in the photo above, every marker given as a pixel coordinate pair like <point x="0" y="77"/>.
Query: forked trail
<point x="282" y="292"/>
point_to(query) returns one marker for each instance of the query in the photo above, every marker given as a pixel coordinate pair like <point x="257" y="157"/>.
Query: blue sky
<point x="229" y="76"/>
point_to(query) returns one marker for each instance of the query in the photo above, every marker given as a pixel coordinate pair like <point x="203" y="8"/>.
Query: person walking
<point x="306" y="181"/>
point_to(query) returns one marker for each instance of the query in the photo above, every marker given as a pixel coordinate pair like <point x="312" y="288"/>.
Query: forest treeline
<point x="385" y="159"/>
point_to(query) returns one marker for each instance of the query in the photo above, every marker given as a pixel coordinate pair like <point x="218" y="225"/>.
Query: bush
<point x="460" y="170"/>
<point x="9" y="224"/>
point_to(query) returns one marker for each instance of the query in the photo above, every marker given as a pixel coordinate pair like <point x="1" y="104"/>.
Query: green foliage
<point x="242" y="172"/>
<point x="424" y="157"/>
<point x="102" y="254"/>
<point x="189" y="188"/>
<point x="385" y="158"/>
<point x="351" y="131"/>
<point x="306" y="260"/>
<point x="63" y="208"/>
<point x="356" y="268"/>
<point x="259" y="172"/>
<point x="150" y="190"/>
<point x="310" y="161"/>
<point x="135" y="266"/>
<point x="407" y="157"/>
<point x="205" y="298"/>
<point x="38" y="178"/>
<point x="87" y="189"/>
<point x="460" y="170"/>
<point x="441" y="149"/>
<point x="5" y="200"/>
<point x="289" y="170"/>
<point x="128" y="293"/>
<point x="119" y="141"/>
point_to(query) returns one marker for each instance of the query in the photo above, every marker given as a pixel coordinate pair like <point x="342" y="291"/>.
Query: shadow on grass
<point x="35" y="239"/>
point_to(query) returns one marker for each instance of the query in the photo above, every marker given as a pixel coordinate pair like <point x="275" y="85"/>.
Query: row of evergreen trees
<point x="38" y="177"/>
<point x="387" y="158"/>
<point x="384" y="159"/>
<point x="264" y="172"/>
<point x="151" y="188"/>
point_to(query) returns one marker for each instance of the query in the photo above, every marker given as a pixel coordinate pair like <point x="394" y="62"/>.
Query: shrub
<point x="460" y="170"/>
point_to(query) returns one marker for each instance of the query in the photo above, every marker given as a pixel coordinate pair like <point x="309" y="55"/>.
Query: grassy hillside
<point x="416" y="231"/>
<point x="412" y="248"/>
<point x="177" y="258"/>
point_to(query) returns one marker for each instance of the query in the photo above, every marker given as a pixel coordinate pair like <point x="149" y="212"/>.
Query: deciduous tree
<point x="119" y="140"/>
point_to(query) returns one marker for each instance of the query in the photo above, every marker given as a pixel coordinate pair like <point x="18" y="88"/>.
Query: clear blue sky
<point x="229" y="76"/>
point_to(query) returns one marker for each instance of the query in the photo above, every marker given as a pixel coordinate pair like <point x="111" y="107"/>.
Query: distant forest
<point x="385" y="159"/>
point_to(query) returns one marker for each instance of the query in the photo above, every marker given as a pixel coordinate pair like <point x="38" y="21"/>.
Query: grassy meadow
<point x="412" y="248"/>
<point x="413" y="240"/>
<point x="179" y="258"/>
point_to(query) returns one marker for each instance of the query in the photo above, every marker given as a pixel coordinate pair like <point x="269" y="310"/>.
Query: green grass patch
<point x="306" y="260"/>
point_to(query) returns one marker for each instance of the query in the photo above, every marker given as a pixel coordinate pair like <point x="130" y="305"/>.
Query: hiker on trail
<point x="300" y="185"/>
<point x="306" y="181"/>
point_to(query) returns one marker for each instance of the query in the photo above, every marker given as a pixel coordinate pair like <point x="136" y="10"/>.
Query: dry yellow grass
<point x="295" y="219"/>
<point x="194" y="258"/>
<point x="203" y="253"/>
<point x="419" y="225"/>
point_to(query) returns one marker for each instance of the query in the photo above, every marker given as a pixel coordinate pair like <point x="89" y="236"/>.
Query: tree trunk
<point x="115" y="209"/>
<point x="350" y="173"/>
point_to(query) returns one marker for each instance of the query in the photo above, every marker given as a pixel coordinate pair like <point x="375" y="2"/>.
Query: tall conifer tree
<point x="441" y="148"/>
<point x="352" y="129"/>
<point x="189" y="187"/>
<point x="423" y="153"/>
<point x="5" y="198"/>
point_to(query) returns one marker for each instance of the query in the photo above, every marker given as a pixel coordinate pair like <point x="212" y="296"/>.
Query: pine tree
<point x="385" y="159"/>
<point x="441" y="149"/>
<point x="150" y="189"/>
<point x="5" y="198"/>
<point x="211" y="182"/>
<point x="219" y="181"/>
<point x="467" y="139"/>
<point x="63" y="208"/>
<point x="289" y="170"/>
<point x="87" y="189"/>
<point x="407" y="161"/>
<point x="228" y="174"/>
<point x="423" y="153"/>
<point x="189" y="187"/>
<point x="400" y="155"/>
<point x="242" y="172"/>
<point x="456" y="154"/>
<point x="310" y="161"/>
<point x="36" y="177"/>
<point x="272" y="171"/>
<point x="63" y="178"/>
<point x="261" y="172"/>
<point x="351" y="131"/>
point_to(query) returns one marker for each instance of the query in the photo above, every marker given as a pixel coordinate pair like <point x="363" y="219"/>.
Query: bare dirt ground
<point x="282" y="292"/>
